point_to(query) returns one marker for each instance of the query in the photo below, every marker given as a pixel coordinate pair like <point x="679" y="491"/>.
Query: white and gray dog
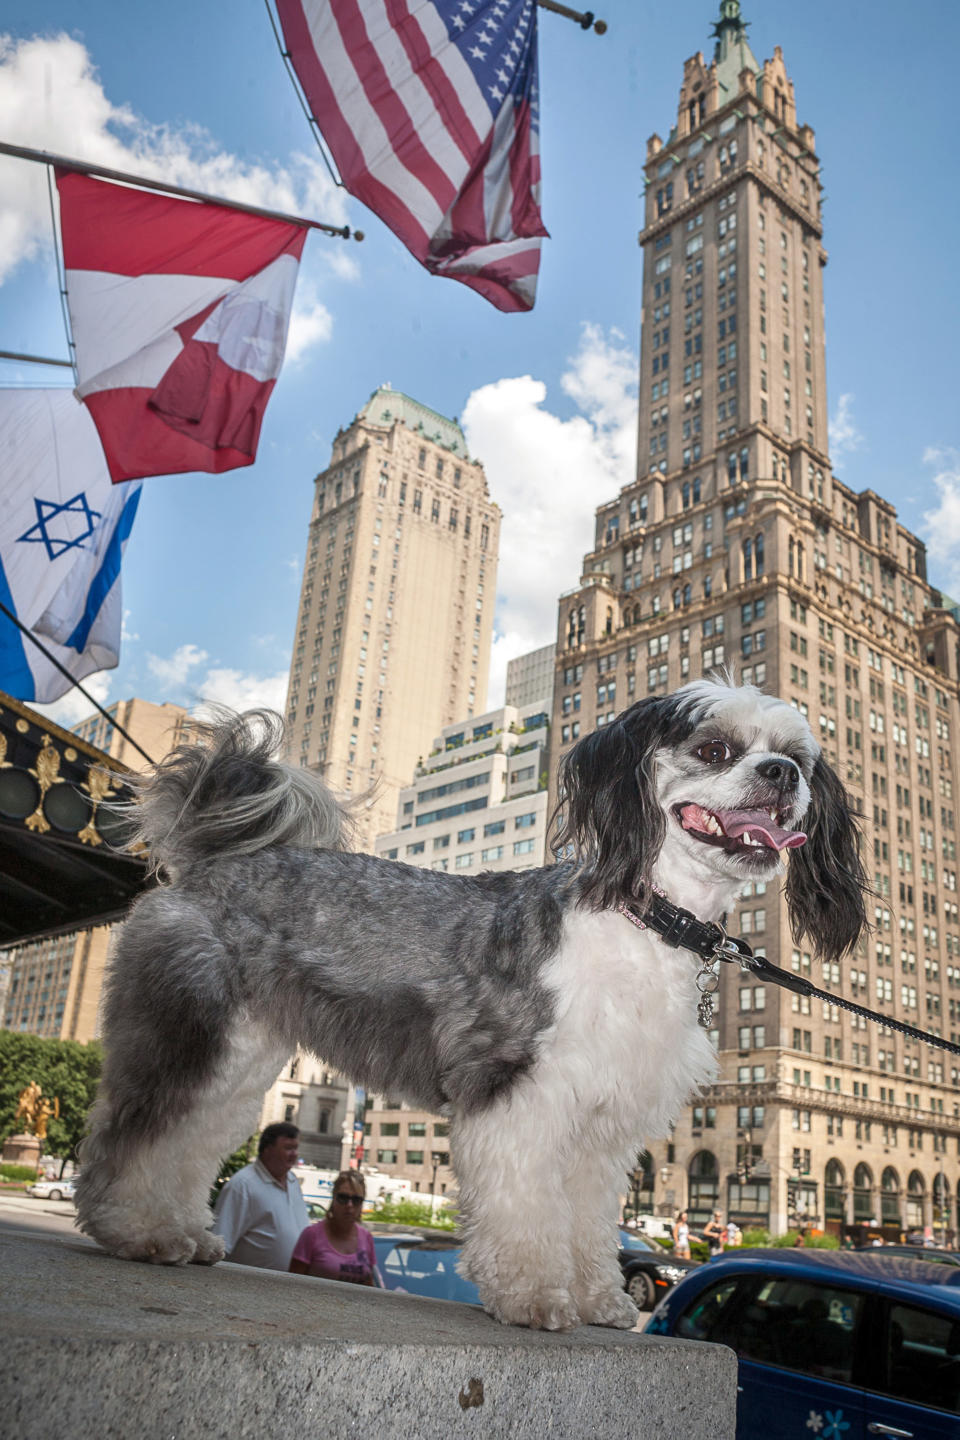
<point x="557" y="1035"/>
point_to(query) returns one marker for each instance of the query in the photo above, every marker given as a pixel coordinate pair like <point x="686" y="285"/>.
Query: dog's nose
<point x="782" y="773"/>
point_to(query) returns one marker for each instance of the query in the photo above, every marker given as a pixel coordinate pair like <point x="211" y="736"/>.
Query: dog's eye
<point x="714" y="751"/>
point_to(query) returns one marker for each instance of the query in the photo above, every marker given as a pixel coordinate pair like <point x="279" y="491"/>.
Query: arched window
<point x="687" y="594"/>
<point x="863" y="1193"/>
<point x="941" y="1200"/>
<point x="696" y="492"/>
<point x="748" y="559"/>
<point x="609" y="625"/>
<point x="916" y="1191"/>
<point x="744" y="464"/>
<point x="704" y="1178"/>
<point x="833" y="1179"/>
<point x="791" y="556"/>
<point x="685" y="493"/>
<point x="676" y="598"/>
<point x="707" y="586"/>
<point x="801" y="561"/>
<point x="758" y="555"/>
<point x="890" y="1197"/>
<point x="732" y="468"/>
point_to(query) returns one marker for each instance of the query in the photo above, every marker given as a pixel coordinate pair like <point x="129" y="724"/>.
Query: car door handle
<point x="876" y="1428"/>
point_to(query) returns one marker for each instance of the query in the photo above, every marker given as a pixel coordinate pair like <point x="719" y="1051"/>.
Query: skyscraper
<point x="396" y="609"/>
<point x="737" y="545"/>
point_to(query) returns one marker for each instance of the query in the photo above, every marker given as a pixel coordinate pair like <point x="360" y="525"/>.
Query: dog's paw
<point x="540" y="1310"/>
<point x="210" y="1249"/>
<point x="615" y="1309"/>
<point x="169" y="1249"/>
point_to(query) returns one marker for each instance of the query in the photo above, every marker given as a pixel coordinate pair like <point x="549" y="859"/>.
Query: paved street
<point x="23" y="1215"/>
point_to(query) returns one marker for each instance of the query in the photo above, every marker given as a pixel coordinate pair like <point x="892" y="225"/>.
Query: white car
<point x="51" y="1189"/>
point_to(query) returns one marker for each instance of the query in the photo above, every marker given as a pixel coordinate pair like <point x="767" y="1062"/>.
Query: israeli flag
<point x="63" y="529"/>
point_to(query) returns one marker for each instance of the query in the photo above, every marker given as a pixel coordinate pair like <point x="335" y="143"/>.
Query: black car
<point x="649" y="1271"/>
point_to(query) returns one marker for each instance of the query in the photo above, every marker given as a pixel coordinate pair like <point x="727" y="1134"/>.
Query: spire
<point x="732" y="53"/>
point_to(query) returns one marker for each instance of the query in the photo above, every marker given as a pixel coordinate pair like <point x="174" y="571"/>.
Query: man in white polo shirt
<point x="260" y="1212"/>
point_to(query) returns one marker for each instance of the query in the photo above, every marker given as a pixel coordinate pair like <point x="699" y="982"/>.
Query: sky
<point x="548" y="400"/>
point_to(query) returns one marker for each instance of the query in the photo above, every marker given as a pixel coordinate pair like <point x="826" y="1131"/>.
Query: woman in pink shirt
<point x="338" y="1247"/>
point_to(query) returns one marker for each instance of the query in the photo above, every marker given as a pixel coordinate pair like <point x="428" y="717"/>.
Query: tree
<point x="64" y="1070"/>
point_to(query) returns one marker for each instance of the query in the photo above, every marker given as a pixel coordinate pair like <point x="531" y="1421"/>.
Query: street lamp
<point x="436" y="1159"/>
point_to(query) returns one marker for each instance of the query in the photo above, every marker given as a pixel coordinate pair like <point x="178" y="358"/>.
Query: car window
<point x="800" y="1325"/>
<point x="923" y="1358"/>
<point x="705" y="1318"/>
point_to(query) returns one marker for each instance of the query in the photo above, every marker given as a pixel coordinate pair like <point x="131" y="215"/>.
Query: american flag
<point x="430" y="109"/>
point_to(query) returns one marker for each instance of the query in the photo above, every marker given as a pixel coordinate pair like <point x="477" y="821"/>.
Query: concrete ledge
<point x="119" y="1350"/>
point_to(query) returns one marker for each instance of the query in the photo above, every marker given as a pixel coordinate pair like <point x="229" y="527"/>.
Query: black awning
<point x="60" y="865"/>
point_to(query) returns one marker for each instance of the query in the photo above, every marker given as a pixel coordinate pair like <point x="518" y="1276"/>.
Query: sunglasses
<point x="342" y="1198"/>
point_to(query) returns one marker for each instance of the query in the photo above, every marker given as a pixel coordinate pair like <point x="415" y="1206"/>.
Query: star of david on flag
<point x="63" y="529"/>
<point x="179" y="312"/>
<point x="431" y="112"/>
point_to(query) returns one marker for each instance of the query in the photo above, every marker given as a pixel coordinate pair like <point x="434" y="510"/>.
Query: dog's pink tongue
<point x="760" y="827"/>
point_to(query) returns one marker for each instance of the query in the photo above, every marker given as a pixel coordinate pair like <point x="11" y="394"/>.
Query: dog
<point x="558" y="1036"/>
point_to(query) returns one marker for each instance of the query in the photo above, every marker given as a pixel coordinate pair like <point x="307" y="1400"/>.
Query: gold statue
<point x="35" y="1111"/>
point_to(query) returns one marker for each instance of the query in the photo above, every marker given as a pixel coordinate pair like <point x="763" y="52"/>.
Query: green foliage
<point x="413" y="1212"/>
<point x="756" y="1239"/>
<point x="233" y="1163"/>
<point x="64" y="1070"/>
<point x="17" y="1172"/>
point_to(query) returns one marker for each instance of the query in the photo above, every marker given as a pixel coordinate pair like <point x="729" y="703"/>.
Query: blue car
<point x="423" y="1265"/>
<point x="832" y="1345"/>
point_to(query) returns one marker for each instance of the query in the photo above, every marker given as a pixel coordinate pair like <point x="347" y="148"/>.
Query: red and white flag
<point x="179" y="312"/>
<point x="430" y="108"/>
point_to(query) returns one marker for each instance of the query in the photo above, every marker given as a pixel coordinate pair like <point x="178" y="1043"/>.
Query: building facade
<point x="737" y="546"/>
<point x="479" y="800"/>
<point x="478" y="803"/>
<point x="396" y="607"/>
<point x="530" y="677"/>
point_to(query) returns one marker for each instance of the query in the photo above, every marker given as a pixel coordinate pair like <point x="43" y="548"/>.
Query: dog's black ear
<point x="826" y="881"/>
<point x="609" y="820"/>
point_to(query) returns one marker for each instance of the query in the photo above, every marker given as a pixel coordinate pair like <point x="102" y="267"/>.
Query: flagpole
<point x="585" y="19"/>
<point x="34" y="359"/>
<point x="82" y="167"/>
<point x="74" y="683"/>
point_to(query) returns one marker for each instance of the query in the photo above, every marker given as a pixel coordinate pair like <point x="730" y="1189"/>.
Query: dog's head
<point x="723" y="782"/>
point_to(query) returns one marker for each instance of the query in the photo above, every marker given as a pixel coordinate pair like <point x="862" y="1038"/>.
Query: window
<point x="921" y="1356"/>
<point x="768" y="1328"/>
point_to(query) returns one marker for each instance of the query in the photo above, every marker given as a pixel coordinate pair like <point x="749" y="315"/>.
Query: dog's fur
<point x="556" y="1035"/>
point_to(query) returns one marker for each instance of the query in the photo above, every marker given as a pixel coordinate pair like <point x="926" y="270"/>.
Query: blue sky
<point x="548" y="399"/>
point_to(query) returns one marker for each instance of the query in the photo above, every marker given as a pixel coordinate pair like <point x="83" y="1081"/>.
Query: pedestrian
<point x="261" y="1212"/>
<point x="798" y="1242"/>
<point x="734" y="1235"/>
<point x="338" y="1247"/>
<point x="681" y="1236"/>
<point x="714" y="1232"/>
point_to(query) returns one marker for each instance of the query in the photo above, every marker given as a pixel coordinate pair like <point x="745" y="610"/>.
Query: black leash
<point x="680" y="929"/>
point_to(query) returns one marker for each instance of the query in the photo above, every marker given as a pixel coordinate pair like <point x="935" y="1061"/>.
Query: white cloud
<point x="310" y="323"/>
<point x="172" y="672"/>
<point x="243" y="692"/>
<point x="845" y="438"/>
<point x="941" y="527"/>
<point x="548" y="475"/>
<point x="51" y="98"/>
<point x="73" y="707"/>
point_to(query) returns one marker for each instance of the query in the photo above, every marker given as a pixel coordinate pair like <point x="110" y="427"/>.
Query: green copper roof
<point x="387" y="406"/>
<point x="732" y="52"/>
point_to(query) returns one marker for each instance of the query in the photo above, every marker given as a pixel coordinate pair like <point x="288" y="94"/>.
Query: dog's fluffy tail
<point x="223" y="792"/>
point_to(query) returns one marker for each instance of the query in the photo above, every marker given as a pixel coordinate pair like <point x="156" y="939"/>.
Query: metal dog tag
<point x="708" y="982"/>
